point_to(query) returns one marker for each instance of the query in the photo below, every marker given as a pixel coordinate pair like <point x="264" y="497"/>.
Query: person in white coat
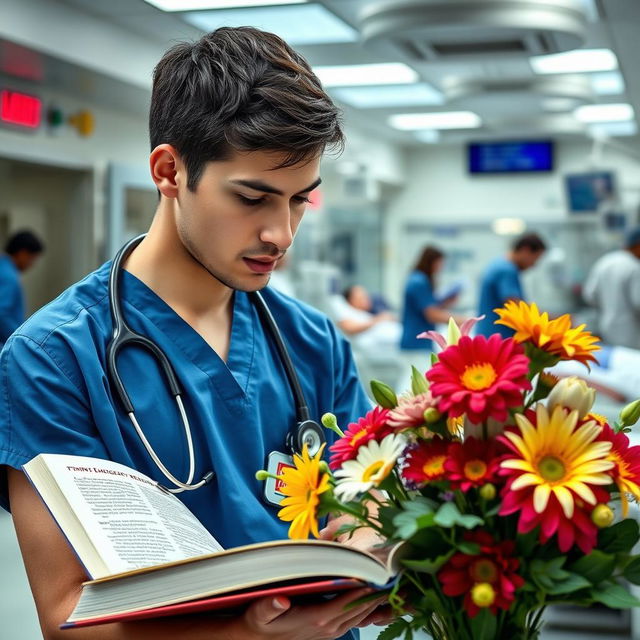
<point x="613" y="287"/>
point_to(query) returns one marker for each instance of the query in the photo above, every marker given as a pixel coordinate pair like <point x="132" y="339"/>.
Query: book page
<point x="130" y="520"/>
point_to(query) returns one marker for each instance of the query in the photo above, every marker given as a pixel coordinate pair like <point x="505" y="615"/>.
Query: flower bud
<point x="329" y="421"/>
<point x="573" y="394"/>
<point x="384" y="394"/>
<point x="630" y="414"/>
<point x="487" y="491"/>
<point x="483" y="595"/>
<point x="453" y="332"/>
<point x="323" y="467"/>
<point x="602" y="515"/>
<point x="432" y="415"/>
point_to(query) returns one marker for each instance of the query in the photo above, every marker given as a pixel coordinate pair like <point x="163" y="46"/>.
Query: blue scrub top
<point x="500" y="282"/>
<point x="418" y="295"/>
<point x="11" y="299"/>
<point x="56" y="398"/>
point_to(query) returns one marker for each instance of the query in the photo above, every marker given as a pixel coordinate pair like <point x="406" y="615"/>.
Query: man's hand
<point x="278" y="618"/>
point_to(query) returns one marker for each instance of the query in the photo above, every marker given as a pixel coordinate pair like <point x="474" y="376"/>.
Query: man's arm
<point x="56" y="576"/>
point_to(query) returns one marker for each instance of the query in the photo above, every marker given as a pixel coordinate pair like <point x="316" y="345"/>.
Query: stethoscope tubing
<point x="124" y="335"/>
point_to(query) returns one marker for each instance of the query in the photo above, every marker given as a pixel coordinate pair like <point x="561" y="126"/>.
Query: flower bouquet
<point x="500" y="481"/>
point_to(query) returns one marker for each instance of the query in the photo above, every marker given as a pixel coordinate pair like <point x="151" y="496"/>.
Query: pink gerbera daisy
<point x="480" y="377"/>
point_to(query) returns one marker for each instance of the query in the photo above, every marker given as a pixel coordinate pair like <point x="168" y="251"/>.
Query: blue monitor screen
<point x="511" y="157"/>
<point x="590" y="192"/>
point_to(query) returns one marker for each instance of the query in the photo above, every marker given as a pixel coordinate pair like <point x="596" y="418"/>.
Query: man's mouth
<point x="261" y="265"/>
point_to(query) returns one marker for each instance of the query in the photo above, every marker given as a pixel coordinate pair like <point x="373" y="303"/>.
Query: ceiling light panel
<point x="439" y="120"/>
<point x="604" y="113"/>
<point x="297" y="24"/>
<point x="577" y="61"/>
<point x="351" y="75"/>
<point x="428" y="136"/>
<point x="608" y="83"/>
<point x="405" y="95"/>
<point x="198" y="5"/>
<point x="614" y="129"/>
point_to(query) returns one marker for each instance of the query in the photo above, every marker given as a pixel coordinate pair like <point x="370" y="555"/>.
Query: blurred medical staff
<point x="22" y="250"/>
<point x="501" y="281"/>
<point x="613" y="287"/>
<point x="422" y="308"/>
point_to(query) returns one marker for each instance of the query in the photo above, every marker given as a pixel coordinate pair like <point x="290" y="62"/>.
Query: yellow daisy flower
<point x="556" y="337"/>
<point x="303" y="486"/>
<point x="557" y="458"/>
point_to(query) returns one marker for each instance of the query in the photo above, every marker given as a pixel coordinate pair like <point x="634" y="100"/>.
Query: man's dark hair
<point x="239" y="89"/>
<point x="24" y="240"/>
<point x="531" y="241"/>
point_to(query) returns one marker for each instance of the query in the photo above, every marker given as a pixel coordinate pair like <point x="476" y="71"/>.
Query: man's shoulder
<point x="72" y="309"/>
<point x="500" y="266"/>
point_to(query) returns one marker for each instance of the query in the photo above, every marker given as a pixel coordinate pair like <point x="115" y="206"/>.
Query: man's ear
<point x="167" y="170"/>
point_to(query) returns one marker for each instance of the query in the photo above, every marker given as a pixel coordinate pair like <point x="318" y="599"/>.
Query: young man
<point x="501" y="281"/>
<point x="237" y="123"/>
<point x="22" y="250"/>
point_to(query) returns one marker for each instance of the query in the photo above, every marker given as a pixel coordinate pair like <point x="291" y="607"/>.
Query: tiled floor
<point x="18" y="615"/>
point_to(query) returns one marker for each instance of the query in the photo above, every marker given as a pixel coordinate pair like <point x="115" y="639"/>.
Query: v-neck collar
<point x="231" y="378"/>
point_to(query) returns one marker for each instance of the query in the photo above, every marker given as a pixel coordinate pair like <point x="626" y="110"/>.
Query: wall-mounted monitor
<point x="590" y="192"/>
<point x="513" y="156"/>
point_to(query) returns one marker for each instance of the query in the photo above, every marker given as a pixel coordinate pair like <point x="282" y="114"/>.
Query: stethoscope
<point x="306" y="431"/>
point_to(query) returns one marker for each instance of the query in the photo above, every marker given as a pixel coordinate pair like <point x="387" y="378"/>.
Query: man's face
<point x="527" y="258"/>
<point x="24" y="259"/>
<point x="243" y="215"/>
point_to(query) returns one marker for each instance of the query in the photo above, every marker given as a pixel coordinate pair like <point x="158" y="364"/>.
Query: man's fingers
<point x="266" y="610"/>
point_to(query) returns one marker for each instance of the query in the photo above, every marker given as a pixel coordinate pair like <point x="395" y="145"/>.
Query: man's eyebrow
<point x="258" y="185"/>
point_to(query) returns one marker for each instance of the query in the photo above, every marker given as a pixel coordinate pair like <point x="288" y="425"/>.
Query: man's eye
<point x="301" y="199"/>
<point x="250" y="202"/>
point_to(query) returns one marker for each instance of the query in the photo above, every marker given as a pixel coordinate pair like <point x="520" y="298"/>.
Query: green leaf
<point x="394" y="630"/>
<point x="620" y="537"/>
<point x="417" y="515"/>
<point x="419" y="383"/>
<point x="596" y="567"/>
<point x="448" y="516"/>
<point x="632" y="571"/>
<point x="470" y="548"/>
<point x="573" y="582"/>
<point x="615" y="596"/>
<point x="428" y="565"/>
<point x="384" y="394"/>
<point x="484" y="625"/>
<point x="526" y="543"/>
<point x="434" y="358"/>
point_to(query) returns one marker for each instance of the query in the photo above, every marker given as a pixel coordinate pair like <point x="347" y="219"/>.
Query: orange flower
<point x="557" y="337"/>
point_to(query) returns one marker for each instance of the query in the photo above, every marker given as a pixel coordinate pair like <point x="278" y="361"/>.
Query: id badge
<point x="277" y="462"/>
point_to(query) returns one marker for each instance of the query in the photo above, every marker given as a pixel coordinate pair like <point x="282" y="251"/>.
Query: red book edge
<point x="220" y="602"/>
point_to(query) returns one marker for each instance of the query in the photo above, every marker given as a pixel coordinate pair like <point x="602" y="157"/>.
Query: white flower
<point x="573" y="394"/>
<point x="373" y="464"/>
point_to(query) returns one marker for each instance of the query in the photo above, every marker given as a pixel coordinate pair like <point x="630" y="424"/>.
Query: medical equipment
<point x="306" y="431"/>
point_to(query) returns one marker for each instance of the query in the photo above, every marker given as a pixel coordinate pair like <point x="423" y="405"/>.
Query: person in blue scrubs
<point x="21" y="252"/>
<point x="234" y="160"/>
<point x="501" y="281"/>
<point x="422" y="310"/>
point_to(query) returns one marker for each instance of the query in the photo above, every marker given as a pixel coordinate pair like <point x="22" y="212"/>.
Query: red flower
<point x="472" y="463"/>
<point x="373" y="426"/>
<point x="425" y="462"/>
<point x="480" y="377"/>
<point x="626" y="470"/>
<point x="494" y="565"/>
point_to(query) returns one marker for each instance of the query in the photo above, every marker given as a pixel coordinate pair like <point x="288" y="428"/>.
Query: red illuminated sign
<point x="20" y="109"/>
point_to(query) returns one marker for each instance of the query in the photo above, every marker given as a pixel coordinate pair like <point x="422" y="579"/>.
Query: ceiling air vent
<point x="426" y="30"/>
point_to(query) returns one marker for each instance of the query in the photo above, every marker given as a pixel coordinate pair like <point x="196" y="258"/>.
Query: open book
<point x="149" y="556"/>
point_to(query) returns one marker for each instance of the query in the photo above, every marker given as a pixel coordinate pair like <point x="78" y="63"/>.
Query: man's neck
<point x="165" y="266"/>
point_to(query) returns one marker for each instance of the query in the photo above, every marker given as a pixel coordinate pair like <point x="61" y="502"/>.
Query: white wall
<point x="440" y="191"/>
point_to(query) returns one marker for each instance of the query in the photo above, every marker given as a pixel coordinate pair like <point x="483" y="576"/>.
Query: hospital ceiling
<point x="472" y="57"/>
